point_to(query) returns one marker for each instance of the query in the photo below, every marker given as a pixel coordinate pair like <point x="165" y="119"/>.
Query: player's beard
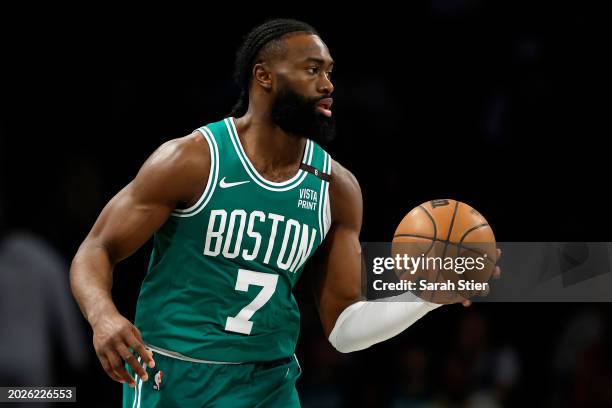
<point x="297" y="115"/>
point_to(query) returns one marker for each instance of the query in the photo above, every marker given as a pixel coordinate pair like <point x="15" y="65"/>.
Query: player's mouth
<point x="324" y="106"/>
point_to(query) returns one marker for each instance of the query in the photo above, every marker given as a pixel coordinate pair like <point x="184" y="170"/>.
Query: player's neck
<point x="267" y="145"/>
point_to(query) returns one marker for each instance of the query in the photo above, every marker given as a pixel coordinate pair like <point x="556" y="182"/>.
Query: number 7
<point x="241" y="323"/>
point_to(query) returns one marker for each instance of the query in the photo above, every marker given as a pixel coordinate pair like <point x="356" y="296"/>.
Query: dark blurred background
<point x="497" y="104"/>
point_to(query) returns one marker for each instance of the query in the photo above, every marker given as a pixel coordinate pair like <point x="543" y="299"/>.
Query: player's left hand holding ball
<point x="496" y="275"/>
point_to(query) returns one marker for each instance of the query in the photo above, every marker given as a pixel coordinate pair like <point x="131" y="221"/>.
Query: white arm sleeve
<point x="365" y="323"/>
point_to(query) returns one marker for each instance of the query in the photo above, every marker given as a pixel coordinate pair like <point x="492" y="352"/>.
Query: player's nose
<point x="326" y="86"/>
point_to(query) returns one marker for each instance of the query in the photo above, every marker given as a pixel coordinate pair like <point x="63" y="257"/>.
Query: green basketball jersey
<point x="220" y="278"/>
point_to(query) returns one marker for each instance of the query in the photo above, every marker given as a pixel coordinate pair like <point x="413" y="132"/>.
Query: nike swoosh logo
<point x="223" y="184"/>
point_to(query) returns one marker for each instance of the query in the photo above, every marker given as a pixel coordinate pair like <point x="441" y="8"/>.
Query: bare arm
<point x="175" y="173"/>
<point x="349" y="322"/>
<point x="338" y="263"/>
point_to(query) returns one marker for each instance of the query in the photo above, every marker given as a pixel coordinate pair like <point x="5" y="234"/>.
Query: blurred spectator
<point x="37" y="313"/>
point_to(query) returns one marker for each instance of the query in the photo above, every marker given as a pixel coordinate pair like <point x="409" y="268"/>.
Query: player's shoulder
<point x="188" y="147"/>
<point x="345" y="194"/>
<point x="343" y="181"/>
<point x="176" y="165"/>
<point x="186" y="154"/>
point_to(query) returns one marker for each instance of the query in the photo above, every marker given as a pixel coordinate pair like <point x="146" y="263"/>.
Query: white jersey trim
<point x="327" y="208"/>
<point x="179" y="356"/>
<point x="323" y="201"/>
<point x="212" y="178"/>
<point x="258" y="178"/>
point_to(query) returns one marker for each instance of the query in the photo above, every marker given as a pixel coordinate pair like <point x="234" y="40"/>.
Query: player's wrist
<point x="100" y="312"/>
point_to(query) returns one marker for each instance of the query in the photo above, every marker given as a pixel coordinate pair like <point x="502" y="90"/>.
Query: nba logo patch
<point x="158" y="380"/>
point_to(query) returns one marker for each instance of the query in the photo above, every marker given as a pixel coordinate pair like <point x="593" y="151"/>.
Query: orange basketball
<point x="456" y="246"/>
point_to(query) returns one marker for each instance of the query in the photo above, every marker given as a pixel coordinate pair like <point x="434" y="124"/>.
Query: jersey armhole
<point x="212" y="178"/>
<point x="325" y="209"/>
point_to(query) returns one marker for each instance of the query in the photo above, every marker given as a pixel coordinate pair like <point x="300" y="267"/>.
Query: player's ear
<point x="262" y="75"/>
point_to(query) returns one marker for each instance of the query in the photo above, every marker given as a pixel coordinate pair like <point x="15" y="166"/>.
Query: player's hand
<point x="496" y="275"/>
<point x="113" y="336"/>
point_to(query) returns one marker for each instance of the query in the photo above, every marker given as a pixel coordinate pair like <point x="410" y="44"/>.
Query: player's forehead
<point x="303" y="47"/>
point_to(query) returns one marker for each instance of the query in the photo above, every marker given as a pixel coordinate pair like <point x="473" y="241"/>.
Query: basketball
<point x="453" y="248"/>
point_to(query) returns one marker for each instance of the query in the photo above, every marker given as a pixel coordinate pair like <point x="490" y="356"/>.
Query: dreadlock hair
<point x="262" y="42"/>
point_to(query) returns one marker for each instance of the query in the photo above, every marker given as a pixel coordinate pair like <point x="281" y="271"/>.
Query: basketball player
<point x="237" y="209"/>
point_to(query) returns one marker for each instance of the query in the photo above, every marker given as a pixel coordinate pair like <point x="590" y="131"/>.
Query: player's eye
<point x="313" y="70"/>
<point x="329" y="74"/>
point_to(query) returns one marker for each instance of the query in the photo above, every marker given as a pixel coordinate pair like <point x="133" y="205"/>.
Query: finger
<point x="499" y="252"/>
<point x="118" y="368"/>
<point x="497" y="273"/>
<point x="130" y="358"/>
<point x="138" y="345"/>
<point x="466" y="303"/>
<point x="107" y="367"/>
<point x="145" y="354"/>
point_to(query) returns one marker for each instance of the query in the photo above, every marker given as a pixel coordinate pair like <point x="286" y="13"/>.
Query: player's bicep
<point x="127" y="222"/>
<point x="172" y="174"/>
<point x="339" y="283"/>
